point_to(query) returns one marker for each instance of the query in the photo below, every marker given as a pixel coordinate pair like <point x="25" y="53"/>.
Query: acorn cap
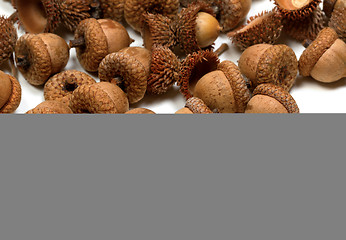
<point x="164" y="70"/>
<point x="126" y="71"/>
<point x="278" y="93"/>
<point x="158" y="30"/>
<point x="8" y="39"/>
<point x="100" y="98"/>
<point x="39" y="15"/>
<point x="264" y="63"/>
<point x="140" y="111"/>
<point x="134" y="10"/>
<point x="317" y="48"/>
<point x="263" y="28"/>
<point x="232" y="12"/>
<point x="328" y="7"/>
<point x="238" y="84"/>
<point x="186" y="25"/>
<point x="195" y="66"/>
<point x="64" y="83"/>
<point x="10" y="93"/>
<point x="296" y="9"/>
<point x="197" y="106"/>
<point x="51" y="107"/>
<point x="338" y="22"/>
<point x="113" y="9"/>
<point x="73" y="12"/>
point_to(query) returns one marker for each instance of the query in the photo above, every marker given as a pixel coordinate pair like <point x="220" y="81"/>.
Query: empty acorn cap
<point x="270" y="98"/>
<point x="264" y="63"/>
<point x="140" y="111"/>
<point x="100" y="98"/>
<point x="296" y="9"/>
<point x="38" y="56"/>
<point x="315" y="50"/>
<point x="10" y="93"/>
<point x="51" y="107"/>
<point x="73" y="12"/>
<point x="224" y="90"/>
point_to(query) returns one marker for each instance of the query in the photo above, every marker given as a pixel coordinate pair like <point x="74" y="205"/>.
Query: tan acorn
<point x="194" y="105"/>
<point x="140" y="111"/>
<point x="95" y="39"/>
<point x="10" y="93"/>
<point x="224" y="90"/>
<point x="270" y="98"/>
<point x="51" y="107"/>
<point x="263" y="28"/>
<point x="39" y="56"/>
<point x="8" y="36"/>
<point x="63" y="84"/>
<point x="196" y="27"/>
<point x="265" y="63"/>
<point x="296" y="9"/>
<point x="128" y="68"/>
<point x="100" y="98"/>
<point x="38" y="16"/>
<point x="325" y="58"/>
<point x="134" y="10"/>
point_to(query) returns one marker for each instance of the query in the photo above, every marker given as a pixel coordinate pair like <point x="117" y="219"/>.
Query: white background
<point x="310" y="95"/>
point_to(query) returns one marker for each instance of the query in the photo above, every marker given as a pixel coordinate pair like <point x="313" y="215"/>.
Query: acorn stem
<point x="223" y="48"/>
<point x="95" y="9"/>
<point x="14" y="17"/>
<point x="307" y="43"/>
<point x="13" y="67"/>
<point x="79" y="42"/>
<point x="22" y="61"/>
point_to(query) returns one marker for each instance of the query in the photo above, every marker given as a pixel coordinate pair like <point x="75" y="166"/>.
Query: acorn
<point x="194" y="105"/>
<point x="197" y="27"/>
<point x="39" y="56"/>
<point x="195" y="66"/>
<point x="38" y="16"/>
<point x="263" y="28"/>
<point x="51" y="107"/>
<point x="134" y="10"/>
<point x="265" y="63"/>
<point x="270" y="98"/>
<point x="224" y="90"/>
<point x="338" y="22"/>
<point x="296" y="9"/>
<point x="129" y="69"/>
<point x="113" y="9"/>
<point x="325" y="58"/>
<point x="95" y="39"/>
<point x="140" y="111"/>
<point x="330" y="5"/>
<point x="8" y="36"/>
<point x="62" y="85"/>
<point x="232" y="12"/>
<point x="101" y="98"/>
<point x="10" y="93"/>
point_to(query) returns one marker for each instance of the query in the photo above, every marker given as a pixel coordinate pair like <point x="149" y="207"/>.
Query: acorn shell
<point x="278" y="93"/>
<point x="195" y="66"/>
<point x="338" y="22"/>
<point x="73" y="12"/>
<point x="11" y="104"/>
<point x="51" y="107"/>
<point x="232" y="12"/>
<point x="197" y="106"/>
<point x="8" y="39"/>
<point x="113" y="9"/>
<point x="63" y="84"/>
<point x="263" y="28"/>
<point x="294" y="12"/>
<point x="134" y="10"/>
<point x="164" y="70"/>
<point x="317" y="48"/>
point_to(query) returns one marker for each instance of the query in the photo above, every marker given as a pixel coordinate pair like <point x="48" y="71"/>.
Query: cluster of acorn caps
<point x="178" y="39"/>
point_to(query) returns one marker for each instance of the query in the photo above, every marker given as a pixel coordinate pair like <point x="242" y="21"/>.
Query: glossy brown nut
<point x="10" y="93"/>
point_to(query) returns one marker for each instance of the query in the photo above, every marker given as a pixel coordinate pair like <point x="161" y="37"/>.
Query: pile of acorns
<point x="178" y="39"/>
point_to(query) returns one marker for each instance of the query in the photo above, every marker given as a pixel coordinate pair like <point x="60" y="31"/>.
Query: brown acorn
<point x="101" y="98"/>
<point x="330" y="5"/>
<point x="39" y="56"/>
<point x="63" y="84"/>
<point x="232" y="12"/>
<point x="196" y="27"/>
<point x="38" y="16"/>
<point x="338" y="22"/>
<point x="95" y="39"/>
<point x="129" y="69"/>
<point x="265" y="63"/>
<point x="134" y="10"/>
<point x="270" y="98"/>
<point x="194" y="105"/>
<point x="224" y="90"/>
<point x="51" y="107"/>
<point x="325" y="58"/>
<point x="8" y="36"/>
<point x="10" y="93"/>
<point x="140" y="111"/>
<point x="113" y="9"/>
<point x="296" y="9"/>
<point x="195" y="66"/>
<point x="263" y="28"/>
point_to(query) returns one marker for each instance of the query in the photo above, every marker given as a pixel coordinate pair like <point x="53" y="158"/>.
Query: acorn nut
<point x="39" y="56"/>
<point x="10" y="93"/>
